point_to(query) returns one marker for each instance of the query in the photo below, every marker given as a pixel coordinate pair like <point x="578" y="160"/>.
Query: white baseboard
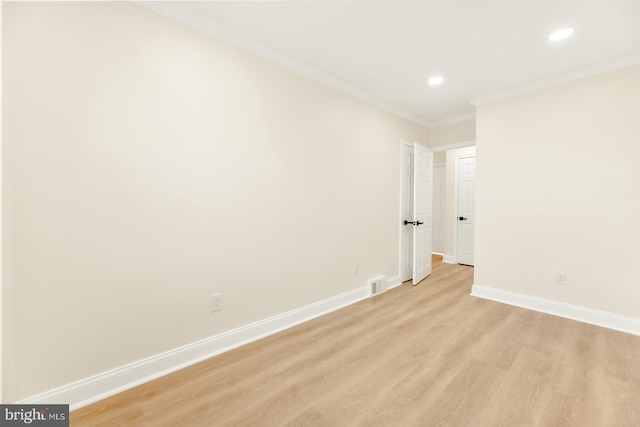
<point x="393" y="282"/>
<point x="605" y="319"/>
<point x="449" y="259"/>
<point x="105" y="384"/>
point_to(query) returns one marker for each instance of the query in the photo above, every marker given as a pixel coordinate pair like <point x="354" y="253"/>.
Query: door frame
<point x="456" y="162"/>
<point x="442" y="165"/>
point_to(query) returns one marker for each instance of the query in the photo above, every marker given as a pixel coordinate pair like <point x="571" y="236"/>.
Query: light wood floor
<point x="429" y="355"/>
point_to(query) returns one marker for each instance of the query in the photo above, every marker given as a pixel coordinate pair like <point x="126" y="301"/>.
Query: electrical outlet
<point x="216" y="302"/>
<point x="356" y="268"/>
<point x="561" y="279"/>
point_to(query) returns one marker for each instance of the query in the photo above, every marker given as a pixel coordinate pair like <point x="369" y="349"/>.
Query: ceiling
<point x="385" y="50"/>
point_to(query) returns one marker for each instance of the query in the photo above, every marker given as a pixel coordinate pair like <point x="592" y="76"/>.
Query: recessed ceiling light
<point x="560" y="34"/>
<point x="435" y="80"/>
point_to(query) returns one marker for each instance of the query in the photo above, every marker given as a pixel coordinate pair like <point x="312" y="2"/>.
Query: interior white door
<point x="422" y="212"/>
<point x="406" y="212"/>
<point x="465" y="218"/>
<point x="439" y="194"/>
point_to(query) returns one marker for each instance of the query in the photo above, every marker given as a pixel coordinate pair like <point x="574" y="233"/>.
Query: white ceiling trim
<point x="453" y="146"/>
<point x="453" y="120"/>
<point x="571" y="76"/>
<point x="184" y="16"/>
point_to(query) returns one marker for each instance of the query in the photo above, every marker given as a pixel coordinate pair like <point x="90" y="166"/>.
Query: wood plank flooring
<point x="429" y="355"/>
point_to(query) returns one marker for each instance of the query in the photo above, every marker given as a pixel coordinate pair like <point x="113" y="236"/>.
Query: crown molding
<point x="197" y="22"/>
<point x="453" y="120"/>
<point x="453" y="146"/>
<point x="571" y="76"/>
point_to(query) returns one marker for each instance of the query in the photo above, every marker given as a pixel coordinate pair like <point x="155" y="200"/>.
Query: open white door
<point x="406" y="211"/>
<point x="422" y="212"/>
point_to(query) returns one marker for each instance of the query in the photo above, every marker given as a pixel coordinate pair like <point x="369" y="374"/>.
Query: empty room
<point x="320" y="213"/>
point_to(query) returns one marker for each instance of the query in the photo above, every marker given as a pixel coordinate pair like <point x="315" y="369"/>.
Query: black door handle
<point x="461" y="218"/>
<point x="419" y="223"/>
<point x="409" y="222"/>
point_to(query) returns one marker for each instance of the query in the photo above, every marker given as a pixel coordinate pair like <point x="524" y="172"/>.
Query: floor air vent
<point x="378" y="285"/>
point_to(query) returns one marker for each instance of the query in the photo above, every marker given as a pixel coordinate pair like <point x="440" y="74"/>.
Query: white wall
<point x="1" y="221"/>
<point x="557" y="191"/>
<point x="147" y="166"/>
<point x="439" y="157"/>
<point x="452" y="133"/>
